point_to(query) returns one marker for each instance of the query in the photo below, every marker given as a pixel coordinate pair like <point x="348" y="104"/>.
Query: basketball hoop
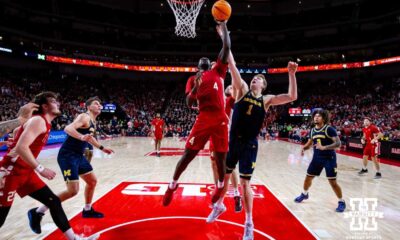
<point x="186" y="12"/>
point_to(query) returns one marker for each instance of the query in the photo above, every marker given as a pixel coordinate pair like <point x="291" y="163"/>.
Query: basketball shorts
<point x="89" y="146"/>
<point x="158" y="136"/>
<point x="73" y="164"/>
<point x="370" y="150"/>
<point x="207" y="127"/>
<point x="244" y="152"/>
<point x="22" y="184"/>
<point x="320" y="162"/>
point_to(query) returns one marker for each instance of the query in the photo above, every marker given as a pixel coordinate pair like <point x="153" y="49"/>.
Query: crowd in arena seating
<point x="139" y="101"/>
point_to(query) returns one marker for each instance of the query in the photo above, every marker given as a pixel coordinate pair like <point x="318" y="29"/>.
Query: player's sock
<point x="42" y="209"/>
<point x="249" y="218"/>
<point x="69" y="234"/>
<point x="341" y="200"/>
<point x="305" y="192"/>
<point x="220" y="202"/>
<point x="236" y="192"/>
<point x="172" y="185"/>
<point x="220" y="184"/>
<point x="88" y="206"/>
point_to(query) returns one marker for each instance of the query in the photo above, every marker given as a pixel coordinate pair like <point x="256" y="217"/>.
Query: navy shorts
<point x="73" y="164"/>
<point x="244" y="152"/>
<point x="89" y="146"/>
<point x="320" y="162"/>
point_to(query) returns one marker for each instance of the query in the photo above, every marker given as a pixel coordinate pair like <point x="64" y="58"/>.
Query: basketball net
<point x="186" y="12"/>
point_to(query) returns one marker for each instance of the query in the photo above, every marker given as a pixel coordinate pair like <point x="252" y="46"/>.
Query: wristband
<point x="39" y="168"/>
<point x="101" y="147"/>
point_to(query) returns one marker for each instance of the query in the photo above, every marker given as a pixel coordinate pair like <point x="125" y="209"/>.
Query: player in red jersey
<point x="371" y="135"/>
<point x="207" y="88"/>
<point x="229" y="104"/>
<point x="20" y="163"/>
<point x="157" y="126"/>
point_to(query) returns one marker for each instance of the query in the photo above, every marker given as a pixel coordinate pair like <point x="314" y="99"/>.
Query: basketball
<point x="221" y="10"/>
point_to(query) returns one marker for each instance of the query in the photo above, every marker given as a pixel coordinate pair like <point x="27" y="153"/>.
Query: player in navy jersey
<point x="324" y="139"/>
<point x="247" y="119"/>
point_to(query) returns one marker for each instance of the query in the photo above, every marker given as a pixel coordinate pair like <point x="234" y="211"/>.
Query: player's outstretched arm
<point x="291" y="96"/>
<point x="33" y="128"/>
<point x="25" y="112"/>
<point x="238" y="84"/>
<point x="222" y="30"/>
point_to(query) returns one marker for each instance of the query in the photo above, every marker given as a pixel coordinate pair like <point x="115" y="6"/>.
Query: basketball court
<point x="132" y="182"/>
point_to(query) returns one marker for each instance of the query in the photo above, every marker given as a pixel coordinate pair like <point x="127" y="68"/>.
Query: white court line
<point x="178" y="217"/>
<point x="312" y="233"/>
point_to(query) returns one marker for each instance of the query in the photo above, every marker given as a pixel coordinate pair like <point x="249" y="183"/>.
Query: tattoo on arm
<point x="334" y="145"/>
<point x="8" y="126"/>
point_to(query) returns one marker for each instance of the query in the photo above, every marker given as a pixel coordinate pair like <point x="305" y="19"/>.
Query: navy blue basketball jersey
<point x="77" y="145"/>
<point x="323" y="135"/>
<point x="248" y="117"/>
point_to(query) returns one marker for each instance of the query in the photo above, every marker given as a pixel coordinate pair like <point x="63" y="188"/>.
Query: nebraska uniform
<point x="229" y="104"/>
<point x="158" y="124"/>
<point x="22" y="178"/>
<point x="370" y="148"/>
<point x="212" y="121"/>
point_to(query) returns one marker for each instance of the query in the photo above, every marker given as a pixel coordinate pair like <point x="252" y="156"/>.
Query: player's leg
<point x="3" y="214"/>
<point x="91" y="182"/>
<point x="69" y="165"/>
<point x="219" y="137"/>
<point x="331" y="174"/>
<point x="48" y="198"/>
<point x="214" y="167"/>
<point x="314" y="169"/>
<point x="182" y="164"/>
<point x="366" y="154"/>
<point x="375" y="159"/>
<point x="248" y="207"/>
<point x="236" y="194"/>
<point x="231" y="162"/>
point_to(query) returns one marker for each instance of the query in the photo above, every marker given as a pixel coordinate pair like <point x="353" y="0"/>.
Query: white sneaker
<point x="248" y="231"/>
<point x="93" y="237"/>
<point x="215" y="213"/>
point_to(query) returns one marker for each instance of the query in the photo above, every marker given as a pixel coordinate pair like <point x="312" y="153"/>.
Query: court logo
<point x="363" y="217"/>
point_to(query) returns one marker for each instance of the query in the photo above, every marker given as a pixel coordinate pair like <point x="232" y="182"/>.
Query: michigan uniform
<point x="247" y="119"/>
<point x="71" y="157"/>
<point x="326" y="158"/>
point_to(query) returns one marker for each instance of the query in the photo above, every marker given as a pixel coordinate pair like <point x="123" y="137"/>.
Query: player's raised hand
<point x="48" y="173"/>
<point x="292" y="67"/>
<point x="25" y="112"/>
<point x="108" y="150"/>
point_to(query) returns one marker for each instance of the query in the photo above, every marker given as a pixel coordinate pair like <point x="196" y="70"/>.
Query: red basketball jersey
<point x="369" y="133"/>
<point x="210" y="94"/>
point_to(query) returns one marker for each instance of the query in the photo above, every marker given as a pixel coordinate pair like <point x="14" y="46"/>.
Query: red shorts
<point x="212" y="148"/>
<point x="21" y="184"/>
<point x="158" y="136"/>
<point x="209" y="125"/>
<point x="371" y="150"/>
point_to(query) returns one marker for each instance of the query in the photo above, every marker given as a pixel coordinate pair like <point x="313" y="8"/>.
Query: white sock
<point x="69" y="234"/>
<point x="42" y="209"/>
<point x="172" y="185"/>
<point x="220" y="184"/>
<point x="88" y="206"/>
<point x="249" y="218"/>
<point x="220" y="202"/>
<point x="341" y="200"/>
<point x="236" y="192"/>
<point x="305" y="192"/>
